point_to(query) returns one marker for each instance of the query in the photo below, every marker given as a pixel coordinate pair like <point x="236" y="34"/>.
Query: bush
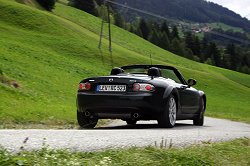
<point x="47" y="4"/>
<point x="88" y="6"/>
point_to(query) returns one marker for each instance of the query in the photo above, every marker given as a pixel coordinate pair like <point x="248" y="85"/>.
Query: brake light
<point x="85" y="86"/>
<point x="136" y="87"/>
<point x="148" y="87"/>
<point x="143" y="87"/>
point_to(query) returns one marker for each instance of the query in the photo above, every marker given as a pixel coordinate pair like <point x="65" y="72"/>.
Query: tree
<point x="175" y="33"/>
<point x="225" y="60"/>
<point x="197" y="46"/>
<point x="215" y="54"/>
<point x="204" y="50"/>
<point x="230" y="50"/>
<point x="88" y="6"/>
<point x="245" y="69"/>
<point x="164" y="28"/>
<point x="143" y="26"/>
<point x="177" y="47"/>
<point x="132" y="29"/>
<point x="138" y="32"/>
<point x="164" y="41"/>
<point x="154" y="37"/>
<point x="189" y="42"/>
<point x="193" y="42"/>
<point x="209" y="61"/>
<point x="245" y="61"/>
<point x="47" y="4"/>
<point x="119" y="20"/>
<point x="99" y="2"/>
<point x="189" y="53"/>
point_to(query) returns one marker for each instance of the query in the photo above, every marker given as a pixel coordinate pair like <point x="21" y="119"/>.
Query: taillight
<point x="143" y="87"/>
<point x="85" y="86"/>
<point x="136" y="87"/>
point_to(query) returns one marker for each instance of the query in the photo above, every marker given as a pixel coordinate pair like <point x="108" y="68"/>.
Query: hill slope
<point x="193" y="10"/>
<point x="49" y="53"/>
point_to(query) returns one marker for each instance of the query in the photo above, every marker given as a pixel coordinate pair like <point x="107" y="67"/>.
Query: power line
<point x="167" y="19"/>
<point x="139" y="10"/>
<point x="229" y="37"/>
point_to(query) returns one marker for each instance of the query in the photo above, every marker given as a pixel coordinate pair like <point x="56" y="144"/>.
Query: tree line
<point x="201" y="11"/>
<point x="189" y="45"/>
<point x="200" y="49"/>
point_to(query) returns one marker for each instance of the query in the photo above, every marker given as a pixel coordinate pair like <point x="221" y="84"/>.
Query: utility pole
<point x="109" y="31"/>
<point x="151" y="59"/>
<point x="101" y="33"/>
<point x="110" y="40"/>
<point x="110" y="43"/>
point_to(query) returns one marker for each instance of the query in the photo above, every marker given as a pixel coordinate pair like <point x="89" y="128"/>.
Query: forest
<point x="208" y="48"/>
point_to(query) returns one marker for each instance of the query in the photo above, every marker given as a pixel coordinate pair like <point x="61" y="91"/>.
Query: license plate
<point x="111" y="88"/>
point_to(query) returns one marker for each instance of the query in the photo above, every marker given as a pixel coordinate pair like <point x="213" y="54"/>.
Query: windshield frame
<point x="177" y="73"/>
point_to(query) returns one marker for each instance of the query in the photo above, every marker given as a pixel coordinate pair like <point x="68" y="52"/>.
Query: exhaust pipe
<point x="136" y="115"/>
<point x="87" y="113"/>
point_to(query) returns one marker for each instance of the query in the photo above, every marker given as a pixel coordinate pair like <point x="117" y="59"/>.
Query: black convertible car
<point x="140" y="92"/>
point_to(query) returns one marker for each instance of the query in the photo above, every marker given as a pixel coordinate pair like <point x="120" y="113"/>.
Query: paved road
<point x="119" y="135"/>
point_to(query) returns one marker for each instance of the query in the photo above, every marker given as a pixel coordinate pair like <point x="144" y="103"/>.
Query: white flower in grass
<point x="105" y="161"/>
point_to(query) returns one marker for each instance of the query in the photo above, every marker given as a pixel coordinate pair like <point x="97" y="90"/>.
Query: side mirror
<point x="191" y="82"/>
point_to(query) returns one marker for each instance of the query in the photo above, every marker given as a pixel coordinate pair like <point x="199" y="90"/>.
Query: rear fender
<point x="203" y="96"/>
<point x="170" y="90"/>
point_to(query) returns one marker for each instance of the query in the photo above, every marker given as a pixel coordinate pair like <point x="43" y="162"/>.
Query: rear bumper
<point x="122" y="106"/>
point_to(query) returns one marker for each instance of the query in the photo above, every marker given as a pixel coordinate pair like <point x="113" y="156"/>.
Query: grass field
<point x="225" y="27"/>
<point x="230" y="153"/>
<point x="48" y="53"/>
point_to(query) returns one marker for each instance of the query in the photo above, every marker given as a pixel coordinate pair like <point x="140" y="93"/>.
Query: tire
<point x="85" y="121"/>
<point x="131" y="122"/>
<point x="199" y="120"/>
<point x="168" y="117"/>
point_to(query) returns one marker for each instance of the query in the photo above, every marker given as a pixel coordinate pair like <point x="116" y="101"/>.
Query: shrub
<point x="47" y="4"/>
<point x="88" y="6"/>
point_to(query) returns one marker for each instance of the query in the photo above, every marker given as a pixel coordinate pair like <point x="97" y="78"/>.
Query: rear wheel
<point x="85" y="121"/>
<point x="131" y="122"/>
<point x="199" y="120"/>
<point x="168" y="117"/>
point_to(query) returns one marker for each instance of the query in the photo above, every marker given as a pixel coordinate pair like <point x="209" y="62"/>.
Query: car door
<point x="189" y="99"/>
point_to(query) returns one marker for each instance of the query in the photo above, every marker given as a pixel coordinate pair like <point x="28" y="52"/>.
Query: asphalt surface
<point x="120" y="135"/>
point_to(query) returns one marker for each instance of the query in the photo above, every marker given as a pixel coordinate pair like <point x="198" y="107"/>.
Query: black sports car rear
<point x="140" y="92"/>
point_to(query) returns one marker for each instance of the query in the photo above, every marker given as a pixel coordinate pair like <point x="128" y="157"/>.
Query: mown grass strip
<point x="235" y="152"/>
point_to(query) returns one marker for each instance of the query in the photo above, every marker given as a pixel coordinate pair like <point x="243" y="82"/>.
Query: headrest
<point x="154" y="72"/>
<point x="116" y="71"/>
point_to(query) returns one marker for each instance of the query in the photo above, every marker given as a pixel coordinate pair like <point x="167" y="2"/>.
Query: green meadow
<point x="48" y="53"/>
<point x="228" y="153"/>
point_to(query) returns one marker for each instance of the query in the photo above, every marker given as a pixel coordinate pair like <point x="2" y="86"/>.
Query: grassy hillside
<point x="31" y="3"/>
<point x="47" y="54"/>
<point x="225" y="27"/>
